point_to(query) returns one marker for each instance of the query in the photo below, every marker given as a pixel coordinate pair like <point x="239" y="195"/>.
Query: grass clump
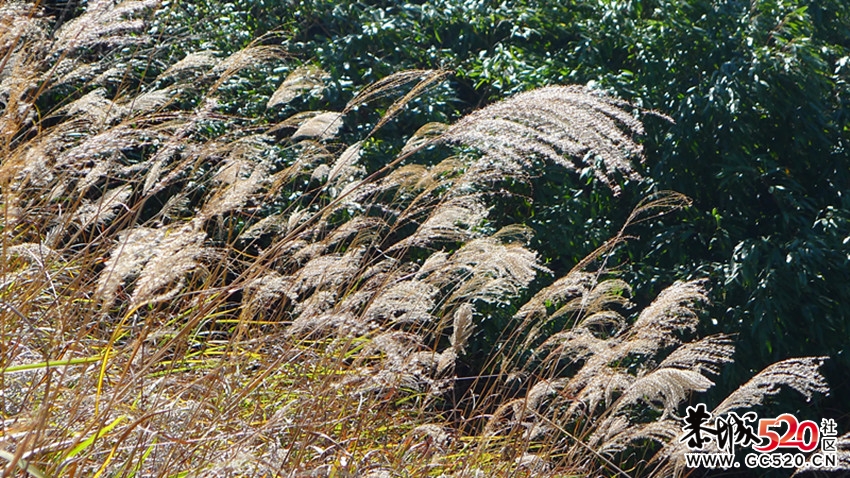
<point x="189" y="292"/>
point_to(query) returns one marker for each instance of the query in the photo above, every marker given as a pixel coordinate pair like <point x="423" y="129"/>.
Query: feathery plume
<point x="462" y="328"/>
<point x="575" y="284"/>
<point x="19" y="29"/>
<point x="427" y="134"/>
<point x="103" y="210"/>
<point x="346" y="168"/>
<point x="617" y="432"/>
<point x="327" y="272"/>
<point x="389" y="86"/>
<point x="408" y="302"/>
<point x="192" y="61"/>
<point x="134" y="248"/>
<point x="235" y="194"/>
<point x="323" y="126"/>
<point x="668" y="385"/>
<point x="177" y="253"/>
<point x="244" y="58"/>
<point x="299" y="81"/>
<point x="176" y="146"/>
<point x="242" y="175"/>
<point x="493" y="272"/>
<point x="704" y="356"/>
<point x="551" y="123"/>
<point x="149" y="101"/>
<point x="672" y="311"/>
<point x="800" y="374"/>
<point x="157" y="256"/>
<point x="95" y="108"/>
<point x="105" y="144"/>
<point x="104" y="23"/>
<point x="454" y="220"/>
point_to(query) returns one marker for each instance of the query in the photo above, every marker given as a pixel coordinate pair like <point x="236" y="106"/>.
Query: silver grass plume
<point x="241" y="175"/>
<point x="192" y="61"/>
<point x="358" y="232"/>
<point x="263" y="291"/>
<point x="408" y="302"/>
<point x="104" y="23"/>
<point x="19" y="28"/>
<point x="316" y="288"/>
<point x="672" y="311"/>
<point x="134" y="248"/>
<point x="680" y="373"/>
<point x="95" y="108"/>
<point x="244" y="58"/>
<point x="462" y="328"/>
<point x="387" y="86"/>
<point x="618" y="432"/>
<point x="311" y="156"/>
<point x="598" y="342"/>
<point x="36" y="254"/>
<point x="424" y="136"/>
<point x="327" y="324"/>
<point x="575" y="284"/>
<point x="594" y="306"/>
<point x="404" y="362"/>
<point x="177" y="253"/>
<point x="454" y="220"/>
<point x="303" y="79"/>
<point x="156" y="256"/>
<point x="490" y="271"/>
<point x="569" y="290"/>
<point x="346" y="168"/>
<point x="103" y="210"/>
<point x="410" y="185"/>
<point x="704" y="356"/>
<point x="110" y="141"/>
<point x="49" y="156"/>
<point x="393" y="85"/>
<point x="657" y="325"/>
<point x="799" y="374"/>
<point x="177" y="147"/>
<point x="571" y="126"/>
<point x="668" y="385"/>
<point x="322" y="126"/>
<point x="150" y="101"/>
<point x="18" y="109"/>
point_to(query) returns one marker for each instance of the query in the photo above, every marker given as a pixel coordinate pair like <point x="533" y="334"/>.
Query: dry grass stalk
<point x="265" y="307"/>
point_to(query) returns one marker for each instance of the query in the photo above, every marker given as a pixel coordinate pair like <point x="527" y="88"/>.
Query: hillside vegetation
<point x="226" y="258"/>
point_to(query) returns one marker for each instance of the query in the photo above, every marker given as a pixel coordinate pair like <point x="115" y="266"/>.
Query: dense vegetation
<point x="335" y="237"/>
<point x="759" y="96"/>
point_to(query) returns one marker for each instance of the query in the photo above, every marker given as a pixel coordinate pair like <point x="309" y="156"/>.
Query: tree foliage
<point x="758" y="92"/>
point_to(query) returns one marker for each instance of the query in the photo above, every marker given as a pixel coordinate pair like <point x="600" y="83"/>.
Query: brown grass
<point x="157" y="320"/>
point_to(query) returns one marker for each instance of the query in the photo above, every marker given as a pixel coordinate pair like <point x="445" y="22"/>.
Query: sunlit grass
<point x="189" y="330"/>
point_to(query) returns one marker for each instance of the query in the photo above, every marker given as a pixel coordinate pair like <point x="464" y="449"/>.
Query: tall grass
<point x="187" y="292"/>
